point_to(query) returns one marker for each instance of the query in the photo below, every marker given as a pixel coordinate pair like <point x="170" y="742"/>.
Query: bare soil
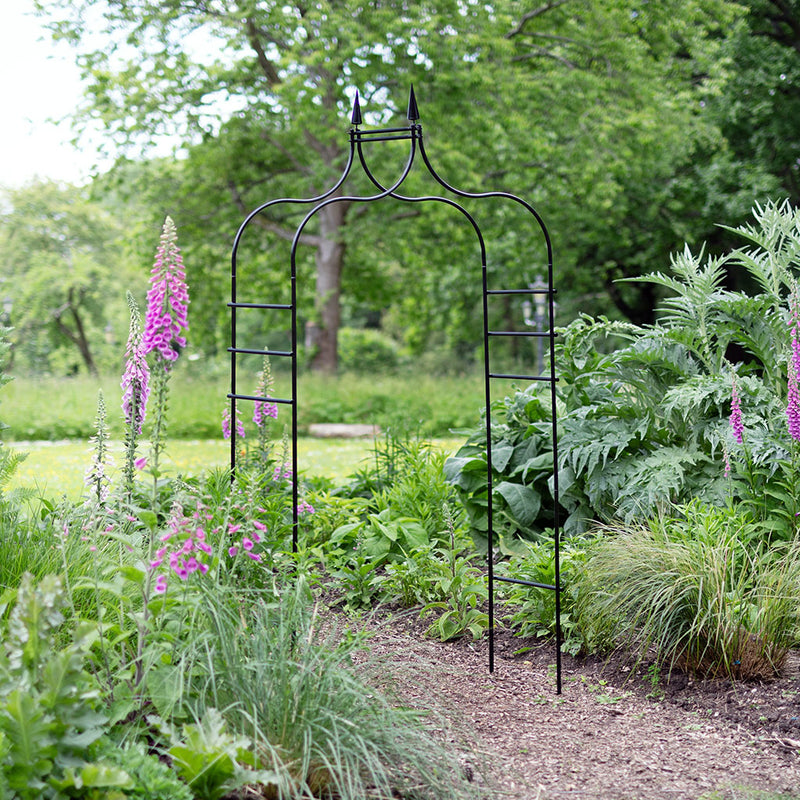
<point x="613" y="733"/>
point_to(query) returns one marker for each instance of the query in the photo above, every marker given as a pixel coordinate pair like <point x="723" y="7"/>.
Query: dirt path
<point x="604" y="737"/>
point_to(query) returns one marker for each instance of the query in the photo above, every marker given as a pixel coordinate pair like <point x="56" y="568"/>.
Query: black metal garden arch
<point x="537" y="292"/>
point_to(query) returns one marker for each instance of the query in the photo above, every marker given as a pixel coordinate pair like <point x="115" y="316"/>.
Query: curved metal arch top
<point x="356" y="155"/>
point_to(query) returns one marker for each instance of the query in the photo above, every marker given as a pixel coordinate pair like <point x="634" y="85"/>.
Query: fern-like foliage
<point x="773" y="255"/>
<point x="644" y="411"/>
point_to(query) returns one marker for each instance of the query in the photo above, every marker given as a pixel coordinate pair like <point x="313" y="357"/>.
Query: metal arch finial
<point x="355" y="119"/>
<point x="413" y="111"/>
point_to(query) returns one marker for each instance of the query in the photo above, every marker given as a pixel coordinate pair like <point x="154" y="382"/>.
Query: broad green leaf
<point x="523" y="502"/>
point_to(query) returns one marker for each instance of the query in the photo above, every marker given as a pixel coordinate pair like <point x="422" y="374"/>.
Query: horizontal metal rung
<point x="527" y="583"/>
<point x="258" y="399"/>
<point x="284" y="306"/>
<point x="246" y="351"/>
<point x="380" y="132"/>
<point x="529" y="334"/>
<point x="519" y="291"/>
<point x="520" y="377"/>
<point x="386" y="138"/>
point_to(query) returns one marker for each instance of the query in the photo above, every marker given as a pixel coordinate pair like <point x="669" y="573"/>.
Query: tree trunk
<point x="78" y="336"/>
<point x="329" y="260"/>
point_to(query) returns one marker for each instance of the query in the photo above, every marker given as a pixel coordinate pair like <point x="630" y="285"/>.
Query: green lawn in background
<point x="58" y="468"/>
<point x="65" y="408"/>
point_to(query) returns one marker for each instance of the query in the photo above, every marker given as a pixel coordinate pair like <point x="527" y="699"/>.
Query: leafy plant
<point x="211" y="760"/>
<point x="461" y="589"/>
<point x="50" y="714"/>
<point x="153" y="779"/>
<point x="522" y="464"/>
<point x="532" y="610"/>
<point x="645" y="424"/>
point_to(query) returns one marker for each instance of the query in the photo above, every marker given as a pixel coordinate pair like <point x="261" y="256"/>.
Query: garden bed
<point x="614" y="732"/>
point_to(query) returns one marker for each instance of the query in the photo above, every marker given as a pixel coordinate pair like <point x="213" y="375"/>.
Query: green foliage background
<point x="631" y="127"/>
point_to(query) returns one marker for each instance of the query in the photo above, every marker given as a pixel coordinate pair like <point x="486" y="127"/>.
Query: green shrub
<point x="51" y="717"/>
<point x="697" y="590"/>
<point x="367" y="351"/>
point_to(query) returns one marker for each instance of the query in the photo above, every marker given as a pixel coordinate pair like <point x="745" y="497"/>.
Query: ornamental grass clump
<point x="285" y="679"/>
<point x="694" y="590"/>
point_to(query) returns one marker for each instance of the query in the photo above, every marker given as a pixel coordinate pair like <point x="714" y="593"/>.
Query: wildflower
<point x="186" y="550"/>
<point x="226" y="424"/>
<point x="161" y="584"/>
<point x="263" y="409"/>
<point x="140" y="463"/>
<point x="793" y="395"/>
<point x="167" y="299"/>
<point x="736" y="413"/>
<point x="136" y="380"/>
<point x="96" y="478"/>
<point x="281" y="473"/>
<point x="232" y="551"/>
<point x="304" y="507"/>
<point x="264" y="389"/>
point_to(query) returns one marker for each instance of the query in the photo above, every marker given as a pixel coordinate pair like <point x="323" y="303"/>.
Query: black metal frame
<point x="412" y="133"/>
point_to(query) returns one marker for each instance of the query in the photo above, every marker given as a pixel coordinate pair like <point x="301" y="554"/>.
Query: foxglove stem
<point x="135" y="391"/>
<point x="97" y="480"/>
<point x="158" y="435"/>
<point x="264" y="409"/>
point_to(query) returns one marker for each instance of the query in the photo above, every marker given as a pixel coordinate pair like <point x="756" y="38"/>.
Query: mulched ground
<point x="611" y="734"/>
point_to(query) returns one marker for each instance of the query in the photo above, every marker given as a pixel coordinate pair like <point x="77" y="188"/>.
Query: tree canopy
<point x="63" y="280"/>
<point x="626" y="124"/>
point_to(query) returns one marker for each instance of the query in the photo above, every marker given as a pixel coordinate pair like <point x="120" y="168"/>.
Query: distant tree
<point x="259" y="86"/>
<point x="759" y="105"/>
<point x="624" y="153"/>
<point x="61" y="273"/>
<point x="611" y="117"/>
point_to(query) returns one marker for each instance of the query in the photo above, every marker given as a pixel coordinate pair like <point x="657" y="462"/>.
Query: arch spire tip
<point x="413" y="111"/>
<point x="355" y="118"/>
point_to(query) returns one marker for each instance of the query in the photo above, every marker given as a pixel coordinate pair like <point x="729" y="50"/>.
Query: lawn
<point x="58" y="468"/>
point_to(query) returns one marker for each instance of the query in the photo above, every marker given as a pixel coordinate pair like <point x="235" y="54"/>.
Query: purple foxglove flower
<point x="735" y="420"/>
<point x="304" y="507"/>
<point x="136" y="379"/>
<point x="226" y="424"/>
<point x="793" y="396"/>
<point x="264" y="389"/>
<point x="167" y="299"/>
<point x="264" y="409"/>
